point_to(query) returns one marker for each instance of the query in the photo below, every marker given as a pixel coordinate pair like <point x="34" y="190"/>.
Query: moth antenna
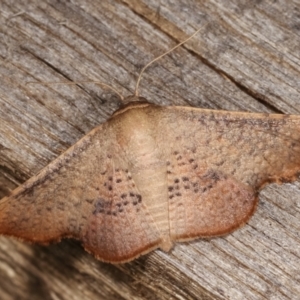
<point x="136" y="93"/>
<point x="78" y="82"/>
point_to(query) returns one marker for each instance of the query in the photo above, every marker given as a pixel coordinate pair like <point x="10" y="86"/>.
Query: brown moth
<point x="151" y="176"/>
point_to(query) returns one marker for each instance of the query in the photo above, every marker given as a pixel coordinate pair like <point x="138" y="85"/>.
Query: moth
<point x="153" y="175"/>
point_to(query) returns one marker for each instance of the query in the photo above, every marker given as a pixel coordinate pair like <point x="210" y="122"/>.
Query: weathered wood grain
<point x="246" y="57"/>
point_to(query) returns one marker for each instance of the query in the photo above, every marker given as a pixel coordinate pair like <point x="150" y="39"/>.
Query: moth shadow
<point x="64" y="260"/>
<point x="53" y="261"/>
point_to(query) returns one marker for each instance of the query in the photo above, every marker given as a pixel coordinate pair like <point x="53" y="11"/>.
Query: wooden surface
<point x="246" y="57"/>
